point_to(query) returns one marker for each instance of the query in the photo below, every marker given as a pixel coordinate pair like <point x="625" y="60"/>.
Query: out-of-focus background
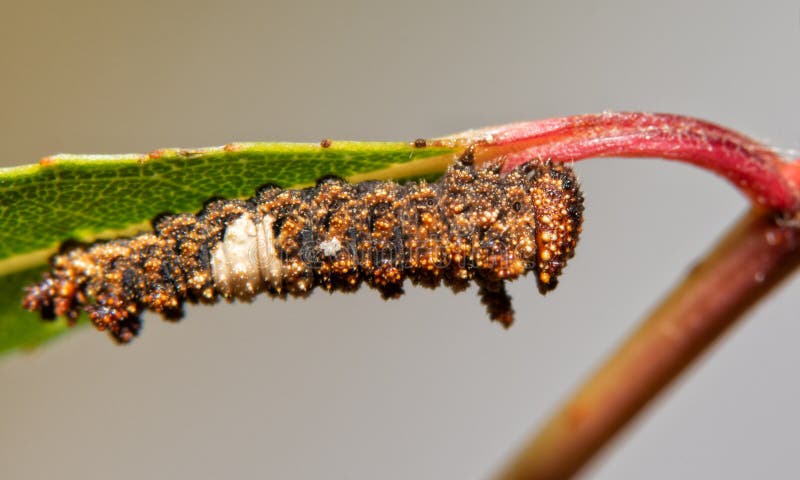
<point x="352" y="387"/>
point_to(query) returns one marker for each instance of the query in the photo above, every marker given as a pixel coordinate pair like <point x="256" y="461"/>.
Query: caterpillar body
<point x="473" y="225"/>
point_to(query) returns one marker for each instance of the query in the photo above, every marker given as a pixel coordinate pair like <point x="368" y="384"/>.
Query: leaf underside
<point x="86" y="197"/>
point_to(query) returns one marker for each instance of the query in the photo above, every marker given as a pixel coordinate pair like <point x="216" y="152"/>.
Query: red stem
<point x="752" y="167"/>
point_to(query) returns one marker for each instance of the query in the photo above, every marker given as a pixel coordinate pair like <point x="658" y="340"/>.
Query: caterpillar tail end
<point x="59" y="295"/>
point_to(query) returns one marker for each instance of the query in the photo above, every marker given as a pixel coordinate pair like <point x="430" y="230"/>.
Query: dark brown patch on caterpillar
<point x="473" y="225"/>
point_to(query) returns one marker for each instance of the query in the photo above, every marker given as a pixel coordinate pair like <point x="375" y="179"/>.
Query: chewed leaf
<point x="85" y="197"/>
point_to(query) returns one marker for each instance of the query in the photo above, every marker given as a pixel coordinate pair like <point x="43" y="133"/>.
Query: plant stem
<point x="754" y="168"/>
<point x="746" y="264"/>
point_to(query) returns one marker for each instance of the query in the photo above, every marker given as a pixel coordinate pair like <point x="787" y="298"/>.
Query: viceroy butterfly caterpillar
<point x="473" y="225"/>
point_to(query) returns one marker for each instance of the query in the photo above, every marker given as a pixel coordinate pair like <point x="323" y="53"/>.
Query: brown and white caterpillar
<point x="472" y="225"/>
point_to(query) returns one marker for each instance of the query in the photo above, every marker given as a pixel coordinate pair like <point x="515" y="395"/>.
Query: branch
<point x="743" y="268"/>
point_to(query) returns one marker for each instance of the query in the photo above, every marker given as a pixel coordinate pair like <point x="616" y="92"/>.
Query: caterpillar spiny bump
<point x="473" y="225"/>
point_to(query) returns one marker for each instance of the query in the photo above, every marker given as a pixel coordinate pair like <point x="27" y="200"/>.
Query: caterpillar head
<point x="541" y="208"/>
<point x="558" y="205"/>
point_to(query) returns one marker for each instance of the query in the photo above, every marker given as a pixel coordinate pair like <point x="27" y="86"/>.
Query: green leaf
<point x="86" y="197"/>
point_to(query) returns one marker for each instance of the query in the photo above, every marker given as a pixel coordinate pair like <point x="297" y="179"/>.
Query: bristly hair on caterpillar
<point x="473" y="225"/>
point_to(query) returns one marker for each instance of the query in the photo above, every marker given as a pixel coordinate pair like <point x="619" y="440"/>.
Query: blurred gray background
<point x="352" y="387"/>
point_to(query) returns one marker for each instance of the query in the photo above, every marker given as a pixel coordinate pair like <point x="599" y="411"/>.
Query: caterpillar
<point x="477" y="225"/>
